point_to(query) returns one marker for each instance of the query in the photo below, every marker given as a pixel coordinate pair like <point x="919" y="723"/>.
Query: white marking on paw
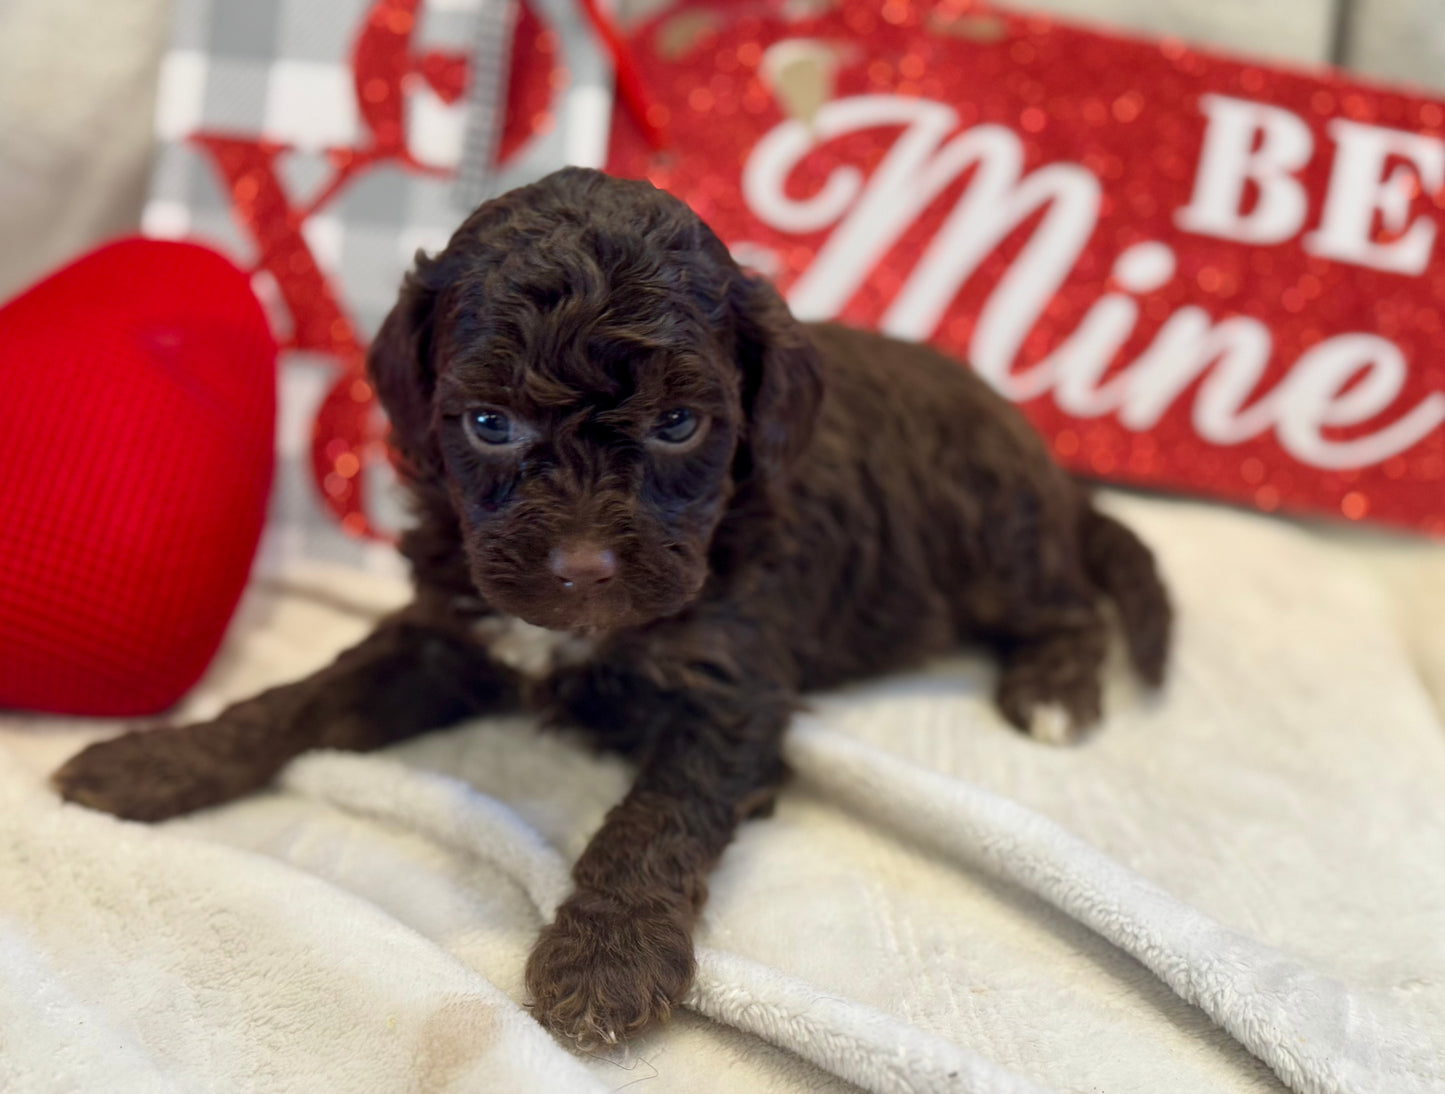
<point x="1051" y="724"/>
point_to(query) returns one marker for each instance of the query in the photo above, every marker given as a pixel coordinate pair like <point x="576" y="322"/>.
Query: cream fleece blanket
<point x="1239" y="886"/>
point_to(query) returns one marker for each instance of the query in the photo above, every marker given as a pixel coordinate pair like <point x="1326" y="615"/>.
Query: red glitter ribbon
<point x="643" y="105"/>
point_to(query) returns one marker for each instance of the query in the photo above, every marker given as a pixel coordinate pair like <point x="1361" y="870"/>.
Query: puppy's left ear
<point x="403" y="372"/>
<point x="782" y="376"/>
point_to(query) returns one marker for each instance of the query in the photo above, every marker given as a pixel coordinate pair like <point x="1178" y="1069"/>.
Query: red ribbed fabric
<point x="137" y="421"/>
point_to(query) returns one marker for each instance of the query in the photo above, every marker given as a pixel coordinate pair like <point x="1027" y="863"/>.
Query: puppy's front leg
<point x="420" y="669"/>
<point x="619" y="956"/>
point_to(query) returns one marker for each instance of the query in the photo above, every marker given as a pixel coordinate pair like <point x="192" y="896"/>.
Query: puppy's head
<point x="593" y="378"/>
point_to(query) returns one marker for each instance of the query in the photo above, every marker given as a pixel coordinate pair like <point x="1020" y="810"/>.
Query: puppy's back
<point x="922" y="498"/>
<point x="909" y="407"/>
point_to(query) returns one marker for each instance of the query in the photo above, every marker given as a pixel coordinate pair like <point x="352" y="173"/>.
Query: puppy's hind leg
<point x="418" y="670"/>
<point x="1048" y="683"/>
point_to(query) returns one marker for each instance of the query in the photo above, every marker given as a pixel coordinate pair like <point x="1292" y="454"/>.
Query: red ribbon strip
<point x="640" y="102"/>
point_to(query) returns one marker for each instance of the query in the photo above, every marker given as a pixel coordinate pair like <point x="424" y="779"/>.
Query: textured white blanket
<point x="1237" y="887"/>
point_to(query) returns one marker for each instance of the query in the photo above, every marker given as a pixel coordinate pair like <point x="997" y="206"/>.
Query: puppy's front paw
<point x="142" y="775"/>
<point x="153" y="774"/>
<point x="602" y="972"/>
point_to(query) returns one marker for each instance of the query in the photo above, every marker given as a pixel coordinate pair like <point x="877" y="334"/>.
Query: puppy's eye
<point x="490" y="427"/>
<point x="676" y="426"/>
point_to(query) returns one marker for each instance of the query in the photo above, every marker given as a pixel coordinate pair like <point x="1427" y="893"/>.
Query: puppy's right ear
<point x="403" y="370"/>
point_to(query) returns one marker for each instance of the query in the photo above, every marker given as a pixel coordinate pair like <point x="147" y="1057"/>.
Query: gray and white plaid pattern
<point x="280" y="69"/>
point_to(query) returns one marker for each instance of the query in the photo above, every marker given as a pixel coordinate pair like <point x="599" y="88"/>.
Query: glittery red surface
<point x="1129" y="112"/>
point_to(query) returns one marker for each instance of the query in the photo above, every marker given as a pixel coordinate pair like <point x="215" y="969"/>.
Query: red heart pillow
<point x="137" y="413"/>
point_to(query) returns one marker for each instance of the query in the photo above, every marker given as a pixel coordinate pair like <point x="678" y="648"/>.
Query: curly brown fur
<point x="847" y="505"/>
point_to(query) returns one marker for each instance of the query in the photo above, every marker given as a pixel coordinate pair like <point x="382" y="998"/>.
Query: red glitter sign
<point x="1193" y="273"/>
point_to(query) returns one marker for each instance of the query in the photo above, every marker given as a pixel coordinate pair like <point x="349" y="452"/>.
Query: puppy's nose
<point x="582" y="565"/>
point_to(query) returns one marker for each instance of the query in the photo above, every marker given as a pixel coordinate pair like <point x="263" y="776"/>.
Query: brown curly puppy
<point x="614" y="434"/>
